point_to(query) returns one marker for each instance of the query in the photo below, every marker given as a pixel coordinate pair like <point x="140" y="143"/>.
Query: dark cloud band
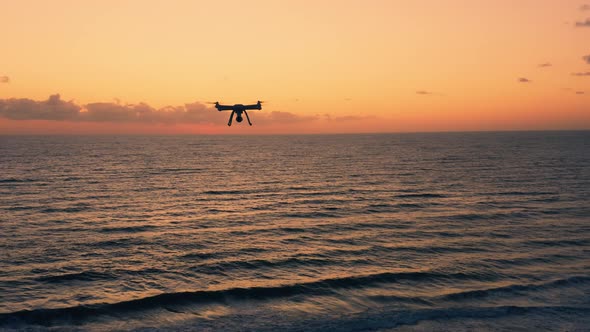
<point x="57" y="109"/>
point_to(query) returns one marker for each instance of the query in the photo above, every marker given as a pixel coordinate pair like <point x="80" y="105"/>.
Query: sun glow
<point x="336" y="66"/>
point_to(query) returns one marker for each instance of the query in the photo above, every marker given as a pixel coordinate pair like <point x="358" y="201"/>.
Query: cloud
<point x="584" y="7"/>
<point x="4" y="79"/>
<point x="282" y="117"/>
<point x="586" y="58"/>
<point x="51" y="109"/>
<point x="544" y="65"/>
<point x="423" y="92"/>
<point x="582" y="74"/>
<point x="57" y="109"/>
<point x="524" y="80"/>
<point x="580" y="92"/>
<point x="583" y="24"/>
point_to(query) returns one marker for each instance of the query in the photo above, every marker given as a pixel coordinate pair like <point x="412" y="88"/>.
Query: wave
<point x="420" y="195"/>
<point x="15" y="180"/>
<point x="310" y="215"/>
<point x="229" y="192"/>
<point x="485" y="216"/>
<point x="199" y="256"/>
<point x="176" y="171"/>
<point x="558" y="242"/>
<point x="80" y="313"/>
<point x="518" y="193"/>
<point x="72" y="209"/>
<point x="19" y="208"/>
<point x="477" y="294"/>
<point x="434" y="249"/>
<point x="512" y="289"/>
<point x="118" y="243"/>
<point x="70" y="179"/>
<point x="255" y="264"/>
<point x="81" y="276"/>
<point x="128" y="229"/>
<point x="531" y="260"/>
<point x="317" y="201"/>
<point x="390" y="319"/>
<point x="305" y="194"/>
<point x="388" y="208"/>
<point x="381" y="250"/>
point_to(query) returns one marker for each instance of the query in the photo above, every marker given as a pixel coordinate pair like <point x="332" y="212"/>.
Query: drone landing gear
<point x="231" y="118"/>
<point x="247" y="117"/>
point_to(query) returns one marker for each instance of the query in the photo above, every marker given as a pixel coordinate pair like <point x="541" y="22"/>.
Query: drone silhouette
<point x="238" y="109"/>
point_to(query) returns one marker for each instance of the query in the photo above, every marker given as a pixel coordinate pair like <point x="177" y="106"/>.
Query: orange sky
<point x="324" y="66"/>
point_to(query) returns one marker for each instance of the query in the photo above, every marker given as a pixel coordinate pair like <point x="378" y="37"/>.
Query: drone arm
<point x="224" y="108"/>
<point x="247" y="117"/>
<point x="231" y="117"/>
<point x="253" y="107"/>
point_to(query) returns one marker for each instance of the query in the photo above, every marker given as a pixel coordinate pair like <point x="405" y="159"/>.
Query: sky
<point x="321" y="66"/>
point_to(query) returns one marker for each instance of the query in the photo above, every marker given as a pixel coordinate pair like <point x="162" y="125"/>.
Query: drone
<point x="238" y="109"/>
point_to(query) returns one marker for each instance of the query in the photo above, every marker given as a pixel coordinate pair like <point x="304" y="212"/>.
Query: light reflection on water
<point x="302" y="227"/>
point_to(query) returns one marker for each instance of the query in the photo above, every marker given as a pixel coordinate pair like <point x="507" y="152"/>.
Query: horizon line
<point x="309" y="134"/>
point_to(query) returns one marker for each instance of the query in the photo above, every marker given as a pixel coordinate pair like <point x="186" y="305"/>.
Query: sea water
<point x="383" y="232"/>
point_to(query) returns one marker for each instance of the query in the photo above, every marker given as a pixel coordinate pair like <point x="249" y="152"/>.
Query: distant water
<point x="458" y="231"/>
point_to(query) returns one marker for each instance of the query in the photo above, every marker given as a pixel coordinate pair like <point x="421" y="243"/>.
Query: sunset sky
<point x="322" y="66"/>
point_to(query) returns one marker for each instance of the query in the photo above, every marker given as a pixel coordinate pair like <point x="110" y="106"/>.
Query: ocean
<point x="376" y="232"/>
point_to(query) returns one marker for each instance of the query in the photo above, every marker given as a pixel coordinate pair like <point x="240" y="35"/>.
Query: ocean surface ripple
<point x="380" y="232"/>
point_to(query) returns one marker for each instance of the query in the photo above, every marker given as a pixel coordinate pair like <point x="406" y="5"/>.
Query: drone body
<point x="238" y="109"/>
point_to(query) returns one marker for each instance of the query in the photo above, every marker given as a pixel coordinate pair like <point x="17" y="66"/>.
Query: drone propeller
<point x="211" y="102"/>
